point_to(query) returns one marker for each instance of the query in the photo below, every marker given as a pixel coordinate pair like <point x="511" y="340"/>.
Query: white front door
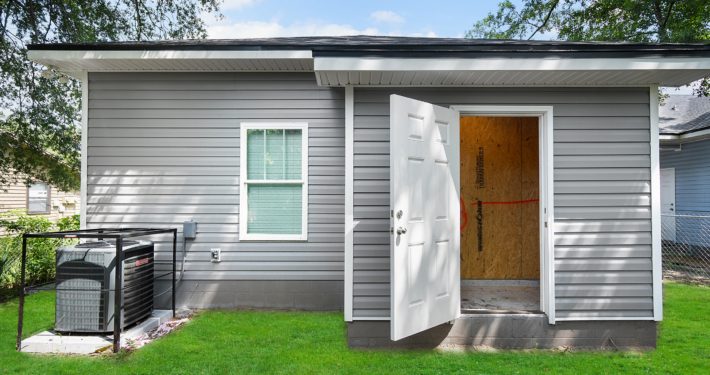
<point x="424" y="198"/>
<point x="668" y="224"/>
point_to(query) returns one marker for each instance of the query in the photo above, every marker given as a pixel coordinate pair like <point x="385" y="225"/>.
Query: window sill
<point x="272" y="238"/>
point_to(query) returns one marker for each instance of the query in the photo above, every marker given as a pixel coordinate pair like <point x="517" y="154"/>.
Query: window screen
<point x="38" y="198"/>
<point x="274" y="182"/>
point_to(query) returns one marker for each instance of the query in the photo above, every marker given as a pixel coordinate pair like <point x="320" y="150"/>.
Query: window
<point x="38" y="198"/>
<point x="274" y="181"/>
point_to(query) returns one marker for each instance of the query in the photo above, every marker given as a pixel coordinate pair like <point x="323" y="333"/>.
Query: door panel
<point x="424" y="155"/>
<point x="668" y="222"/>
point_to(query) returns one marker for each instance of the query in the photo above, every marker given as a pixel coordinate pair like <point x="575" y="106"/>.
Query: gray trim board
<point x="511" y="331"/>
<point x="268" y="294"/>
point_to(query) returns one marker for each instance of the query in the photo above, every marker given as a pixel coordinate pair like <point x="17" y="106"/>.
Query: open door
<point x="424" y="198"/>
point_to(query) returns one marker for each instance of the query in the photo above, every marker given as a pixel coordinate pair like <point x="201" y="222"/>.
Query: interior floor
<point x="500" y="296"/>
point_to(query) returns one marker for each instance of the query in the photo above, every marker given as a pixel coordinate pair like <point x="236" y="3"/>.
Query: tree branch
<point x="547" y="18"/>
<point x="139" y="22"/>
<point x="668" y="16"/>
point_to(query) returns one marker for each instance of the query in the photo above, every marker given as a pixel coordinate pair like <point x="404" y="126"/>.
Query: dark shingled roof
<point x="681" y="114"/>
<point x="359" y="45"/>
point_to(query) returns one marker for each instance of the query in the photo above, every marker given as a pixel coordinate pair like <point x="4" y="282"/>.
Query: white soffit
<point x="668" y="71"/>
<point x="176" y="60"/>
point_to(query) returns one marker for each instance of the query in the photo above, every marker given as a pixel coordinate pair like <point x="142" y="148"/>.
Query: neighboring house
<point x="39" y="199"/>
<point x="684" y="122"/>
<point x="411" y="182"/>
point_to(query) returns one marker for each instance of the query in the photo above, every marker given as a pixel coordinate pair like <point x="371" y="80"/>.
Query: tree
<point x="661" y="21"/>
<point x="39" y="119"/>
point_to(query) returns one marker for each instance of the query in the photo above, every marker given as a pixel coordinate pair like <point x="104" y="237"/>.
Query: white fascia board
<point x="668" y="137"/>
<point x="685" y="138"/>
<point x="508" y="64"/>
<point x="696" y="135"/>
<point x="58" y="55"/>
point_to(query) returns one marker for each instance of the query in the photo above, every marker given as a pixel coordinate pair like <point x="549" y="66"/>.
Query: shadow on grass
<point x="234" y="341"/>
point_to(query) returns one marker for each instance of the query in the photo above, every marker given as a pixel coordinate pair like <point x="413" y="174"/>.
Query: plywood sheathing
<point x="499" y="168"/>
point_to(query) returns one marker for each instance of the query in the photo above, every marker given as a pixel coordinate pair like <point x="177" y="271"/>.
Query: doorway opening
<point x="500" y="214"/>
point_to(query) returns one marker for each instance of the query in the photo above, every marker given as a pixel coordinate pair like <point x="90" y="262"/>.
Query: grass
<point x="221" y="342"/>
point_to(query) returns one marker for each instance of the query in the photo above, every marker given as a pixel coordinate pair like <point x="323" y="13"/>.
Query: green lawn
<point x="307" y="343"/>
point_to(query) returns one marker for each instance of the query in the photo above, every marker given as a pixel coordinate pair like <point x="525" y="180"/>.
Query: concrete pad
<point x="499" y="295"/>
<point x="50" y="342"/>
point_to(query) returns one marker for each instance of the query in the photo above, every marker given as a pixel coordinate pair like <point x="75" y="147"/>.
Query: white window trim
<point x="243" y="182"/>
<point x="47" y="201"/>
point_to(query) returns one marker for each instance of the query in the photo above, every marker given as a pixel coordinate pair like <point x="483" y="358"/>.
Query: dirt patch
<point x="682" y="276"/>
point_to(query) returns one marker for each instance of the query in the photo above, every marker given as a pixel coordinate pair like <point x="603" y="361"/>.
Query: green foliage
<point x="69" y="223"/>
<point x="676" y="21"/>
<point x="39" y="109"/>
<point x="41" y="251"/>
<point x="293" y="342"/>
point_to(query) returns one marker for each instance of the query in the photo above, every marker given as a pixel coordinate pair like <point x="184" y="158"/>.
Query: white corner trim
<point x="655" y="206"/>
<point x="244" y="182"/>
<point x="349" y="221"/>
<point x="55" y="55"/>
<point x="508" y="64"/>
<point x="83" y="192"/>
<point x="547" y="216"/>
<point x="549" y="212"/>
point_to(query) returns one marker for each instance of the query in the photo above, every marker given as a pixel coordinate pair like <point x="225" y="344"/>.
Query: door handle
<point x="401" y="230"/>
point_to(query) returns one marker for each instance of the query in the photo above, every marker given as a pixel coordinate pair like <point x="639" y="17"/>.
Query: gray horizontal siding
<point x="602" y="195"/>
<point x="164" y="148"/>
<point x="692" y="178"/>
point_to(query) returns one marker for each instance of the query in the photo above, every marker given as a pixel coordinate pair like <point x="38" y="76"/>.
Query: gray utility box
<point x="86" y="285"/>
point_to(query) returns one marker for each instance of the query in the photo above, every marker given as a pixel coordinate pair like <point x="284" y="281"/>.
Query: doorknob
<point x="401" y="230"/>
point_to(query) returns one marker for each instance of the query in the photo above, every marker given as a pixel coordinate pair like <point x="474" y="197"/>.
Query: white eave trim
<point x="61" y="55"/>
<point x="175" y="60"/>
<point x="511" y="64"/>
<point x="687" y="137"/>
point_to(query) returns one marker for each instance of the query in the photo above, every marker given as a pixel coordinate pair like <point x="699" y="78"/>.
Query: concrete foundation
<point x="49" y="342"/>
<point x="511" y="331"/>
<point x="256" y="294"/>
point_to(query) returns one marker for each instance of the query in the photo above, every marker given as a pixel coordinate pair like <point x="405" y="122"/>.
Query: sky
<point x="270" y="18"/>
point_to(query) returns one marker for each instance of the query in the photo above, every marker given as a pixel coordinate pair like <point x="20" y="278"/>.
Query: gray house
<point x="438" y="191"/>
<point x="684" y="122"/>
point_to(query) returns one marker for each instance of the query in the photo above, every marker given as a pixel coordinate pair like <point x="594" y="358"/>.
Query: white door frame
<point x="546" y="178"/>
